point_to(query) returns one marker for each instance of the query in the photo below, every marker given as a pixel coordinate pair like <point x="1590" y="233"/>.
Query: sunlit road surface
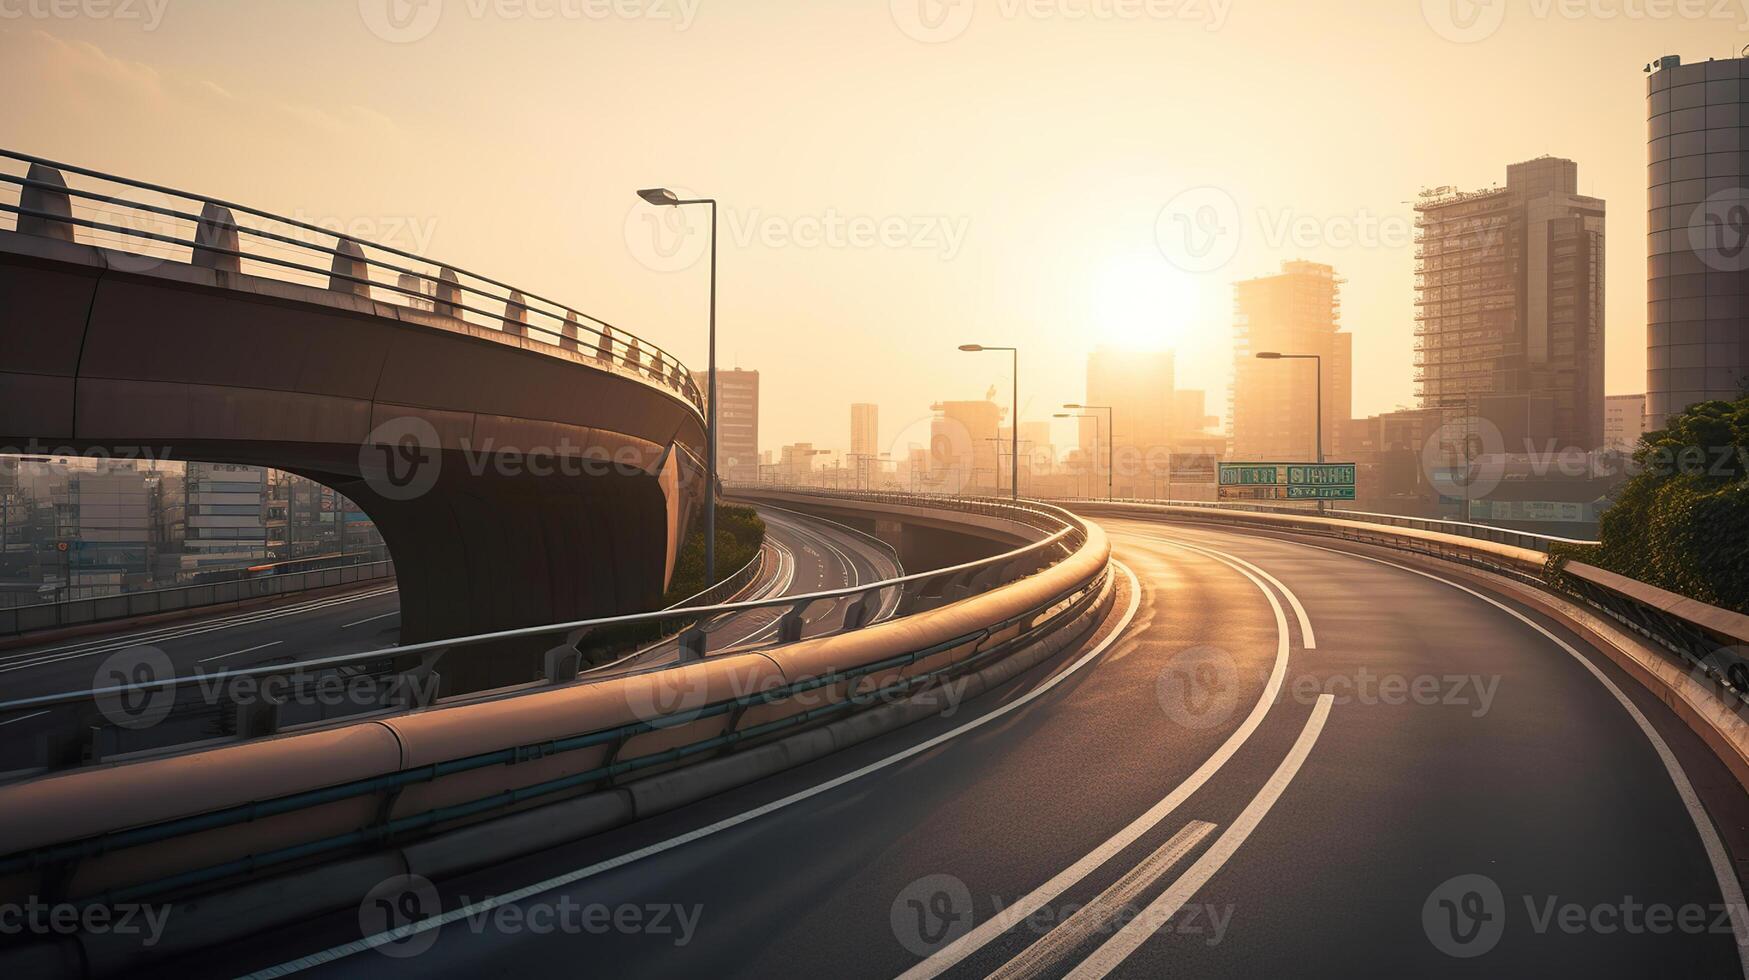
<point x="804" y="555"/>
<point x="1274" y="760"/>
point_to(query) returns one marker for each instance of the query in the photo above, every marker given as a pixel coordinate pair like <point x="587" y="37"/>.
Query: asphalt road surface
<point x="1273" y="760"/>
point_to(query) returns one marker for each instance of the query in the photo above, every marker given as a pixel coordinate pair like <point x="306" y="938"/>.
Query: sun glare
<point x="1142" y="304"/>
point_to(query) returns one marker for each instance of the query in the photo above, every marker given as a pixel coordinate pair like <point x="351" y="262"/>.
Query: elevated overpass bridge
<point x="526" y="463"/>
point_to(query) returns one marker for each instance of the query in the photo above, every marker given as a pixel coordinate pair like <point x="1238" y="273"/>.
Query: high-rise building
<point x="1275" y="403"/>
<point x="1138" y="387"/>
<point x="865" y="429"/>
<point x="1624" y="422"/>
<point x="1697" y="331"/>
<point x="1509" y="306"/>
<point x="737" y="422"/>
<point x="106" y="521"/>
<point x="225" y="516"/>
<point x="962" y="446"/>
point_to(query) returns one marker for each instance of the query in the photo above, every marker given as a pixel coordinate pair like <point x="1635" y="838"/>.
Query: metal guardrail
<point x="214" y="832"/>
<point x="1466" y="529"/>
<point x="191" y="229"/>
<point x="17" y="620"/>
<point x="1711" y="640"/>
<point x="227" y="704"/>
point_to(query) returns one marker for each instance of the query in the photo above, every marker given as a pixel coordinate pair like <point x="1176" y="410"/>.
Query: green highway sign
<point x="1287" y="481"/>
<point x="1320" y="493"/>
<point x="1321" y="475"/>
<point x="1250" y="475"/>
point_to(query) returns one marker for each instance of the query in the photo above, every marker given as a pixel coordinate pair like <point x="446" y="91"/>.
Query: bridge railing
<point x="72" y="728"/>
<point x="145" y="225"/>
<point x="189" y="825"/>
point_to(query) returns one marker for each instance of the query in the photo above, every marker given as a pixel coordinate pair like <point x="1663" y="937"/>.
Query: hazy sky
<point x="897" y="176"/>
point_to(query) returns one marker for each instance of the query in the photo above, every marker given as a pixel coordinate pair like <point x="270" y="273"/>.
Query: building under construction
<point x="1509" y="307"/>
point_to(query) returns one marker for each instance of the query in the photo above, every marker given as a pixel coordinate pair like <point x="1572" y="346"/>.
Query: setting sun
<point x="1142" y="303"/>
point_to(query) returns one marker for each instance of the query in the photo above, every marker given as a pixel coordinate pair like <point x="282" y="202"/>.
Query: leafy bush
<point x="740" y="534"/>
<point x="1681" y="522"/>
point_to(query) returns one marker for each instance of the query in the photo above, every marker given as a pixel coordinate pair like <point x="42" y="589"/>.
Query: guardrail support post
<point x="449" y="294"/>
<point x="417" y="688"/>
<point x="563" y="662"/>
<point x="48" y="201"/>
<point x="863" y="611"/>
<point x="692" y="645"/>
<point x="258" y="718"/>
<point x="789" y="628"/>
<point x="568" y="332"/>
<point x="215" y="240"/>
<point x="516" y="315"/>
<point x="349" y="273"/>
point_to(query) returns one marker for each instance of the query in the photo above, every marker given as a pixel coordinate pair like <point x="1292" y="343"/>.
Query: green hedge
<point x="1681" y="522"/>
<point x="740" y="534"/>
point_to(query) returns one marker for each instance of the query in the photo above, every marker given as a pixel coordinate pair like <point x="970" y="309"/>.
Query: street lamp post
<point x="1110" y="445"/>
<point x="663" y="197"/>
<point x="1319" y="387"/>
<point x="1014" y="414"/>
<point x="1095" y="418"/>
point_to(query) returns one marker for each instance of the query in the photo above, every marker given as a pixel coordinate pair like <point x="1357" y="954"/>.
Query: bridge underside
<point x="515" y="483"/>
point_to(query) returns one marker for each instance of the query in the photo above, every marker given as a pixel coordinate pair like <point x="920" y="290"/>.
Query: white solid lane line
<point x="1723" y="869"/>
<point x="1043" y="956"/>
<point x="1119" y="947"/>
<point x="34" y="714"/>
<point x="168" y="632"/>
<point x="1310" y="639"/>
<point x="1015" y="913"/>
<point x="45" y="658"/>
<point x="371" y="619"/>
<point x="239" y="653"/>
<point x="571" y="877"/>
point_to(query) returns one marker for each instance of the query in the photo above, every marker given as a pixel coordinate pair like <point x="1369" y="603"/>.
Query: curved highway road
<point x="1274" y="759"/>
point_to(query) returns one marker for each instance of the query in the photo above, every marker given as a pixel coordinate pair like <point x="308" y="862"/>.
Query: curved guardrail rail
<point x="228" y="705"/>
<point x="422" y="782"/>
<point x="1463" y="529"/>
<point x="1714" y="641"/>
<point x="240" y="240"/>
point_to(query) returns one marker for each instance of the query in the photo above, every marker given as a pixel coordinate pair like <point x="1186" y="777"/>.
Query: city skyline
<point x="795" y="243"/>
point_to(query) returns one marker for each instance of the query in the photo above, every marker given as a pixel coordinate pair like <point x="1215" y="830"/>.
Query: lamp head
<point x="971" y="348"/>
<point x="1268" y="355"/>
<point x="659" y="196"/>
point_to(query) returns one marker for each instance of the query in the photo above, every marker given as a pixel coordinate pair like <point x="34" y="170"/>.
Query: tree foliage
<point x="1681" y="522"/>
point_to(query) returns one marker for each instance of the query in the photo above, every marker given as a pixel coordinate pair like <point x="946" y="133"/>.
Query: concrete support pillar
<point x="215" y="241"/>
<point x="349" y="273"/>
<point x="55" y="207"/>
<point x="604" y="348"/>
